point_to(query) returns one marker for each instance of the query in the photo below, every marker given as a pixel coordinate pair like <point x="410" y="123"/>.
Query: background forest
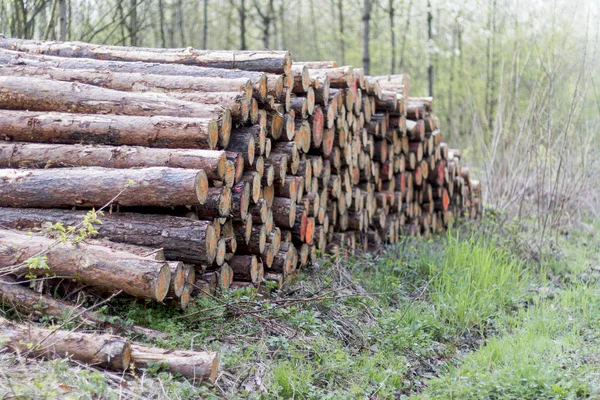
<point x="515" y="82"/>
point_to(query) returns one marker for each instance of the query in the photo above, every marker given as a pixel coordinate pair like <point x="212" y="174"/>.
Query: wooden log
<point x="246" y="268"/>
<point x="178" y="277"/>
<point x="193" y="365"/>
<point x="301" y="78"/>
<point x="317" y="64"/>
<point x="39" y="305"/>
<point x="218" y="203"/>
<point x="150" y="131"/>
<point x="258" y="79"/>
<point x="284" y="212"/>
<point x="279" y="161"/>
<point x="94" y="186"/>
<point x="253" y="179"/>
<point x="45" y="95"/>
<point x="287" y="188"/>
<point x="92" y="265"/>
<point x="340" y="77"/>
<point x="237" y="104"/>
<point x="240" y="201"/>
<point x="277" y="62"/>
<point x="34" y="155"/>
<point x="291" y="150"/>
<point x="132" y="82"/>
<point x="105" y="351"/>
<point x="181" y="239"/>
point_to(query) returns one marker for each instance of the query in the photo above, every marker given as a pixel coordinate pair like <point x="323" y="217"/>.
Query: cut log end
<point x="163" y="281"/>
<point x="221" y="251"/>
<point x="213" y="134"/>
<point x="201" y="186"/>
<point x="225" y="131"/>
<point x="229" y="175"/>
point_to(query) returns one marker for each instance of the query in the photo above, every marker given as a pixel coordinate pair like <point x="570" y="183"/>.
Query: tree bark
<point x="133" y="82"/>
<point x="150" y="131"/>
<point x="62" y="20"/>
<point x="34" y="94"/>
<point x="92" y="265"/>
<point x="104" y="351"/>
<point x="37" y="305"/>
<point x="204" y="25"/>
<point x="277" y="62"/>
<point x="32" y="155"/>
<point x="33" y="60"/>
<point x="366" y="18"/>
<point x="95" y="186"/>
<point x="193" y="365"/>
<point x="429" y="47"/>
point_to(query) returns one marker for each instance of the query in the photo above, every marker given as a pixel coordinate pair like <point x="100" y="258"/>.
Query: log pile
<point x="222" y="169"/>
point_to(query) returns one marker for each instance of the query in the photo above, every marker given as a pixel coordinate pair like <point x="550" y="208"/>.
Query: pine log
<point x="39" y="305"/>
<point x="150" y="131"/>
<point x="92" y="265"/>
<point x="105" y="351"/>
<point x="301" y="78"/>
<point x="46" y="95"/>
<point x="218" y="203"/>
<point x="284" y="212"/>
<point x="259" y="79"/>
<point x="277" y="62"/>
<point x="240" y="201"/>
<point x="193" y="365"/>
<point x="178" y="275"/>
<point x="246" y="268"/>
<point x="340" y="77"/>
<point x="133" y="82"/>
<point x="33" y="155"/>
<point x="182" y="239"/>
<point x="94" y="186"/>
<point x="237" y="104"/>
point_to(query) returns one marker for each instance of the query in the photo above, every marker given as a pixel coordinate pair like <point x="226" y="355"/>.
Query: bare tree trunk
<point x="179" y="22"/>
<point x="133" y="23"/>
<point x="391" y="13"/>
<point x="315" y="36"/>
<point x="205" y="25"/>
<point x="366" y="18"/>
<point x="451" y="89"/>
<point x="282" y="29"/>
<point x="406" y="32"/>
<point x="341" y="28"/>
<point x="62" y="19"/>
<point x="242" y="14"/>
<point x="161" y="16"/>
<point x="50" y="26"/>
<point x="429" y="45"/>
<point x="265" y="20"/>
<point x="491" y="78"/>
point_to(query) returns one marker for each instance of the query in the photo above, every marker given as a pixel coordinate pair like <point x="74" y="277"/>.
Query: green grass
<point x="464" y="316"/>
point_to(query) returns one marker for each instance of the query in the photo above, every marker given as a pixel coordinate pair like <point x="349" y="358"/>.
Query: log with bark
<point x="38" y="305"/>
<point x="181" y="239"/>
<point x="193" y="365"/>
<point x="95" y="186"/>
<point x="105" y="351"/>
<point x="34" y="155"/>
<point x="96" y="266"/>
<point x="277" y="62"/>
<point x="149" y="131"/>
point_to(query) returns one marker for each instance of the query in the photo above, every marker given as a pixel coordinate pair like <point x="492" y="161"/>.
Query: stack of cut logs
<point x="220" y="168"/>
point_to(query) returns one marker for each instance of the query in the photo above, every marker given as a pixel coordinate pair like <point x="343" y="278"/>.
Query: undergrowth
<point x="469" y="315"/>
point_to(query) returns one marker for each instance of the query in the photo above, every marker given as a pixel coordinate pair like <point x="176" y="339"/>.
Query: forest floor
<point x="480" y="313"/>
